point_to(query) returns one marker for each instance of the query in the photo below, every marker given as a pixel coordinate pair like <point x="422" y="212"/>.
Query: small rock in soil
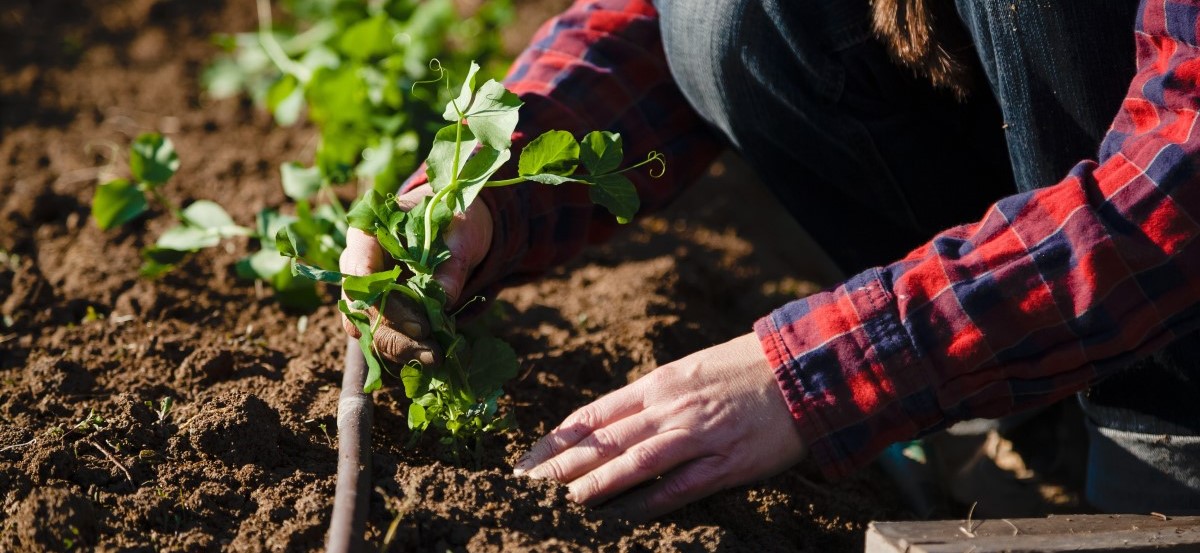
<point x="237" y="428"/>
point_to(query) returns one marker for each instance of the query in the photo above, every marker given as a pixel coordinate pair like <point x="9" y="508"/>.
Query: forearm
<point x="1051" y="291"/>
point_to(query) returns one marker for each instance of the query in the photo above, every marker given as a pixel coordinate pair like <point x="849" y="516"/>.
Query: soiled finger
<point x="403" y="315"/>
<point x="398" y="348"/>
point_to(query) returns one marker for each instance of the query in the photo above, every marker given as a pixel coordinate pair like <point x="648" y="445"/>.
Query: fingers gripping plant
<point x="343" y="65"/>
<point x="459" y="397"/>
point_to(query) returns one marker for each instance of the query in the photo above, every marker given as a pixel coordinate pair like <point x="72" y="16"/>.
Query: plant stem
<point x="161" y="199"/>
<point x="505" y="182"/>
<point x="442" y="193"/>
<point x="272" y="47"/>
<point x="428" y="245"/>
<point x="654" y="156"/>
<point x="382" y="305"/>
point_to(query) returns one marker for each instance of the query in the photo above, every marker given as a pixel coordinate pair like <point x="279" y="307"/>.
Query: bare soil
<point x="245" y="458"/>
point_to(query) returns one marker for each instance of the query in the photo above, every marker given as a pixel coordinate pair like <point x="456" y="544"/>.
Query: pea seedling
<point x="202" y="224"/>
<point x="459" y="397"/>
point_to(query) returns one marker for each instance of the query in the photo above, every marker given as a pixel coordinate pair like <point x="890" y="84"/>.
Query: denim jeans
<point x="872" y="161"/>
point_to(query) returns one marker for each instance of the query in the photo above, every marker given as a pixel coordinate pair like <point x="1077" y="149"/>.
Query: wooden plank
<point x="1093" y="533"/>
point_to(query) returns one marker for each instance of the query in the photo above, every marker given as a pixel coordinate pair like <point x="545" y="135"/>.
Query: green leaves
<point x="602" y="152"/>
<point x="457" y="108"/>
<point x="369" y="287"/>
<point x="116" y="203"/>
<point x="187" y="239"/>
<point x="299" y="182"/>
<point x="458" y="397"/>
<point x="204" y="224"/>
<point x="475" y="174"/>
<point x="491" y="112"/>
<point x="493" y="362"/>
<point x="616" y="194"/>
<point x="212" y="218"/>
<point x="452" y="142"/>
<point x="362" y="322"/>
<point x="153" y="159"/>
<point x="319" y="275"/>
<point x="370" y="38"/>
<point x="285" y="99"/>
<point x="493" y="115"/>
<point x="352" y="64"/>
<point x="554" y="152"/>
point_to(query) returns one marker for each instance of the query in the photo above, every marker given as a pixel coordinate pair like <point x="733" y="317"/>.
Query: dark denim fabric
<point x="873" y="161"/>
<point x="863" y="153"/>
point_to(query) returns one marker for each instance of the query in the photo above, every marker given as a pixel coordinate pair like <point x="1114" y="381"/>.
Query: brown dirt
<point x="245" y="458"/>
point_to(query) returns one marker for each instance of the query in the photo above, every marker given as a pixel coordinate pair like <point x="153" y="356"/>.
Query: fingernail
<point x="410" y="328"/>
<point x="518" y="471"/>
<point x="426" y="358"/>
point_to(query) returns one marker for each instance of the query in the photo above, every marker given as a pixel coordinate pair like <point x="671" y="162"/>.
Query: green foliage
<point x="152" y="159"/>
<point x="349" y="62"/>
<point x="459" y="397"/>
<point x="204" y="224"/>
<point x="152" y="162"/>
<point x="117" y="202"/>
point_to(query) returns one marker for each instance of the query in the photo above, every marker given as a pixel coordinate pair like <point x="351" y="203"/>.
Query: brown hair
<point x="927" y="37"/>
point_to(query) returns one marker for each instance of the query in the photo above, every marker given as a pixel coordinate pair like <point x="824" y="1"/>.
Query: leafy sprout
<point x="459" y="397"/>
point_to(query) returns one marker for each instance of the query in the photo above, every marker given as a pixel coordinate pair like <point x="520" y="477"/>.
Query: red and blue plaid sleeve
<point x="1049" y="293"/>
<point x="598" y="66"/>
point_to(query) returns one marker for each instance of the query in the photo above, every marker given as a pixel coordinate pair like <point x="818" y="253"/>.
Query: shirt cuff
<point x="850" y="373"/>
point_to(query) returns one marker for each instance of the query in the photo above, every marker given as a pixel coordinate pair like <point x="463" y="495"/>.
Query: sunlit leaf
<point x="153" y="159"/>
<point x="116" y="203"/>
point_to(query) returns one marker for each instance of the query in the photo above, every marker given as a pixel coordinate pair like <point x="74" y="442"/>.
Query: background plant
<point x="348" y="65"/>
<point x="153" y="161"/>
<point x="351" y="64"/>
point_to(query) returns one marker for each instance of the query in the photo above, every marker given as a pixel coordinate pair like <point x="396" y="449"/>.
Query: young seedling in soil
<point x="459" y="397"/>
<point x="203" y="224"/>
<point x="152" y="162"/>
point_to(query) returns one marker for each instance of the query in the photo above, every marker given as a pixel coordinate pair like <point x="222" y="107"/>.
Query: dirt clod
<point x="47" y="375"/>
<point x="206" y="365"/>
<point x="237" y="428"/>
<point x="53" y="519"/>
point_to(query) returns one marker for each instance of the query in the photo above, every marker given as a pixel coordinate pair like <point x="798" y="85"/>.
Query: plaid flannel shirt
<point x="1051" y="291"/>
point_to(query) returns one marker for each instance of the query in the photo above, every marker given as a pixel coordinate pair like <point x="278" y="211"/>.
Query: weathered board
<point x="1093" y="533"/>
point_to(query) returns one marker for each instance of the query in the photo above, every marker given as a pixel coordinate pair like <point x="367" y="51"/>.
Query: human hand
<point x="713" y="420"/>
<point x="404" y="334"/>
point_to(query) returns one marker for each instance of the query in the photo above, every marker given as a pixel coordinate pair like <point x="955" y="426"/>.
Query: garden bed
<point x="244" y="458"/>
